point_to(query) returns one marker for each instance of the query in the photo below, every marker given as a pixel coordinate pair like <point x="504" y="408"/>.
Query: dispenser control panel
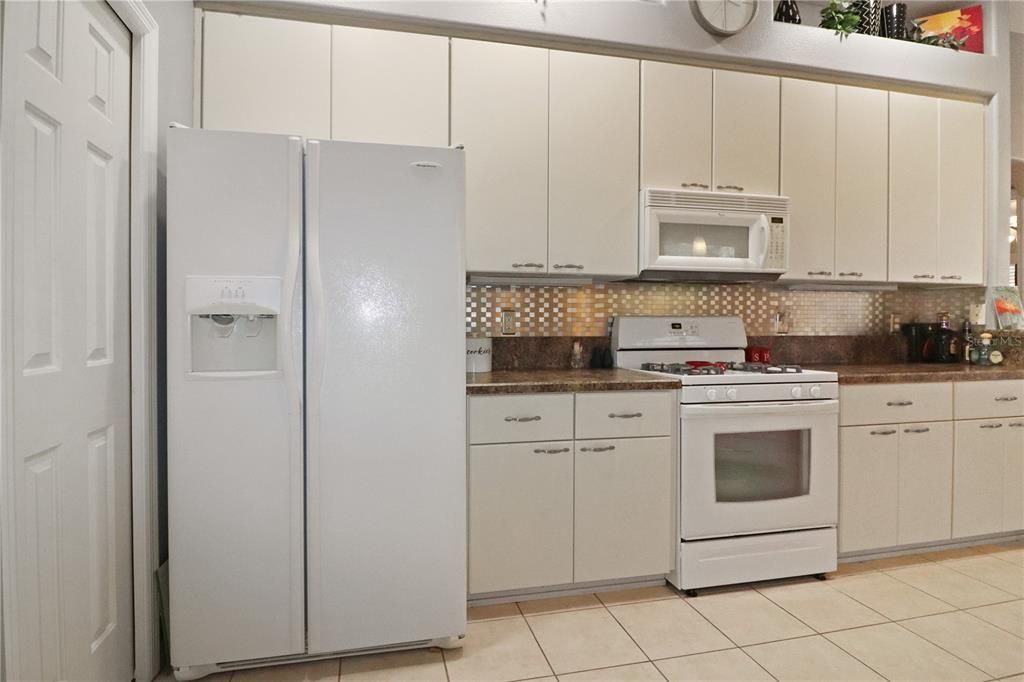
<point x="233" y="294"/>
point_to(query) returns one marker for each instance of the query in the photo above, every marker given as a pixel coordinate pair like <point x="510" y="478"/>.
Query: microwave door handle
<point x="763" y="224"/>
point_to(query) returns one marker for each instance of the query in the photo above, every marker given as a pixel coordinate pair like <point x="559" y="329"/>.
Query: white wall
<point x="174" y="102"/>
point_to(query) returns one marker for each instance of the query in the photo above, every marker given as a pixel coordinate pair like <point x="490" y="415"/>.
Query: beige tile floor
<point x="954" y="615"/>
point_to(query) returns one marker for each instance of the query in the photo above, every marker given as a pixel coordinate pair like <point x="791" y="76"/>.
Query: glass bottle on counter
<point x="984" y="354"/>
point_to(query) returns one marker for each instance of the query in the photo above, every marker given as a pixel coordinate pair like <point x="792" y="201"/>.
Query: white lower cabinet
<point x="623" y="508"/>
<point x="987" y="471"/>
<point x="925" y="482"/>
<point x="868" y="487"/>
<point x="555" y="512"/>
<point x="520" y="515"/>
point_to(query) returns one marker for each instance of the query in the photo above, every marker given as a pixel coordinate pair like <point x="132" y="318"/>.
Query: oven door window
<point x="765" y="465"/>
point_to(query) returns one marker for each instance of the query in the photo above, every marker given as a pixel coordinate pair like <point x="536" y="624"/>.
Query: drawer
<point x="520" y="418"/>
<point x="988" y="399"/>
<point x="895" y="403"/>
<point x="625" y="414"/>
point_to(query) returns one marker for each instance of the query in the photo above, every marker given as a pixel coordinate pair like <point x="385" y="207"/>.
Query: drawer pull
<point x="1007" y="399"/>
<point x="567" y="266"/>
<point x="886" y="432"/>
<point x="735" y="187"/>
<point x="924" y="276"/>
<point x="921" y="430"/>
<point x="951" y="277"/>
<point x="826" y="273"/>
<point x="535" y="418"/>
<point x="552" y="451"/>
<point x="900" y="403"/>
<point x="991" y="426"/>
<point x="1017" y="425"/>
<point x="527" y="265"/>
<point x="606" y="448"/>
<point x="699" y="185"/>
<point x="851" y="274"/>
<point x="627" y="415"/>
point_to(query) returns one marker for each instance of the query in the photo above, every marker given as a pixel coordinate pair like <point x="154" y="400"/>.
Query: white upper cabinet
<point x="389" y="87"/>
<point x="746" y="125"/>
<point x="862" y="184"/>
<point x="593" y="185"/>
<point x="961" y="144"/>
<point x="809" y="176"/>
<point x="500" y="114"/>
<point x="913" y="188"/>
<point x="675" y="126"/>
<point x="266" y="75"/>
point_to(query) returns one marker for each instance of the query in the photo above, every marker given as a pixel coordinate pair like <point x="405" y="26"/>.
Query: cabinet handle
<point x="535" y="418"/>
<point x="951" y="277"/>
<point x="921" y="430"/>
<point x="1007" y="399"/>
<point x="568" y="266"/>
<point x="886" y="432"/>
<point x="826" y="273"/>
<point x="924" y="276"/>
<point x="991" y="426"/>
<point x="552" y="451"/>
<point x="701" y="185"/>
<point x="628" y="415"/>
<point x="899" y="403"/>
<point x="1017" y="425"/>
<point x="851" y="274"/>
<point x="735" y="187"/>
<point x="606" y="448"/>
<point x="527" y="265"/>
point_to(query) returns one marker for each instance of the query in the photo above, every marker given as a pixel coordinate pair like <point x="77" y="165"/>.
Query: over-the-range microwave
<point x="693" y="235"/>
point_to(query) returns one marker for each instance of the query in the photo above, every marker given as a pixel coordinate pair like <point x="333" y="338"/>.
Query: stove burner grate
<point x="761" y="368"/>
<point x="682" y="368"/>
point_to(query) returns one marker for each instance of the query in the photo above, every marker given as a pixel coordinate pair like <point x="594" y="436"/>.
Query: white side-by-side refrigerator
<point x="315" y="398"/>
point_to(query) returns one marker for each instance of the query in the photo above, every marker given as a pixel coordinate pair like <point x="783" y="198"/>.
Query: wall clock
<point x="724" y="17"/>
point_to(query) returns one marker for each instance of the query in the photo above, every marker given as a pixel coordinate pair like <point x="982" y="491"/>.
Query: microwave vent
<point x="716" y="201"/>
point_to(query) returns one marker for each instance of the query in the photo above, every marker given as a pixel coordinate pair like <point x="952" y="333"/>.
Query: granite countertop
<point x="903" y="373"/>
<point x="565" y="381"/>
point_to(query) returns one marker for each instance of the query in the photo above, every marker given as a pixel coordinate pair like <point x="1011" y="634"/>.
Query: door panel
<point x="746" y="125"/>
<point x="809" y="176"/>
<point x="862" y="184"/>
<point x="961" y="145"/>
<point x="978" y="468"/>
<point x="500" y="113"/>
<point x="926" y="482"/>
<point x="66" y="132"/>
<point x="388" y="86"/>
<point x="1013" y="477"/>
<point x="675" y="126"/>
<point x="913" y="188"/>
<point x="868" y="487"/>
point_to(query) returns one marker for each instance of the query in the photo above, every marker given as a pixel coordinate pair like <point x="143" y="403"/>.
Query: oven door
<point x="758" y="467"/>
<point x="704" y="241"/>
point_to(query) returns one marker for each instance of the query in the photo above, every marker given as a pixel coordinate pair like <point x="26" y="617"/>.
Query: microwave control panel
<point x="775" y="257"/>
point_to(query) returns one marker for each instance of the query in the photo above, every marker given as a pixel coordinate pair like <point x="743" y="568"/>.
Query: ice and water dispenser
<point x="233" y="323"/>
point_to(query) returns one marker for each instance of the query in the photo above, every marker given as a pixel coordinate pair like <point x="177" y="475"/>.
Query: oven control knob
<point x="815" y="391"/>
<point x="731" y="394"/>
<point x="712" y="394"/>
<point x="797" y="392"/>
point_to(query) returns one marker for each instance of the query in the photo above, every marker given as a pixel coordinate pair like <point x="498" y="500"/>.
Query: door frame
<point x="143" y="305"/>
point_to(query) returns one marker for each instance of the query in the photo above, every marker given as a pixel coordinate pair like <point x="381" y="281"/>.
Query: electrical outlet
<point x="508" y="321"/>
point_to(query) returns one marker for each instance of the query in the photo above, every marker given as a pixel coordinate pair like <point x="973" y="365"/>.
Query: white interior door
<point x="65" y="140"/>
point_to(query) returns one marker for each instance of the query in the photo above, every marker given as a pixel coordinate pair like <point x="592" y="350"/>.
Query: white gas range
<point x="759" y="451"/>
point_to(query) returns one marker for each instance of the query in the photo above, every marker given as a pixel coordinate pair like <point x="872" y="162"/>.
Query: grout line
<point x="628" y="633"/>
<point x="940" y="648"/>
<point x="998" y="627"/>
<point x="534" y="635"/>
<point x="727" y="637"/>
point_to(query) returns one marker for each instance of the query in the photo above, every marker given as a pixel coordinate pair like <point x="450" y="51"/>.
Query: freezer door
<point x="234" y="391"/>
<point x="386" y="453"/>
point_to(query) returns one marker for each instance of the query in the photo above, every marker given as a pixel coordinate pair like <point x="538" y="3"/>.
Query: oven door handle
<point x="752" y="409"/>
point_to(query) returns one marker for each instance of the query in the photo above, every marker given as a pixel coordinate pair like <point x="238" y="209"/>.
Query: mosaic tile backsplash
<point x="588" y="310"/>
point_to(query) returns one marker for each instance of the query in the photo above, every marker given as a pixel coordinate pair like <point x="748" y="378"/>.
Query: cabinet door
<point x="675" y="126"/>
<point x="266" y="75"/>
<point x="925" y="482"/>
<point x="746" y="124"/>
<point x="500" y="113"/>
<point x="913" y="188"/>
<point x="520" y="516"/>
<point x="978" y="467"/>
<point x="868" y="487"/>
<point x="862" y="184"/>
<point x="389" y="87"/>
<point x="593" y="141"/>
<point x="961" y="145"/>
<point x="809" y="176"/>
<point x="623" y="508"/>
<point x="1013" y="477"/>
